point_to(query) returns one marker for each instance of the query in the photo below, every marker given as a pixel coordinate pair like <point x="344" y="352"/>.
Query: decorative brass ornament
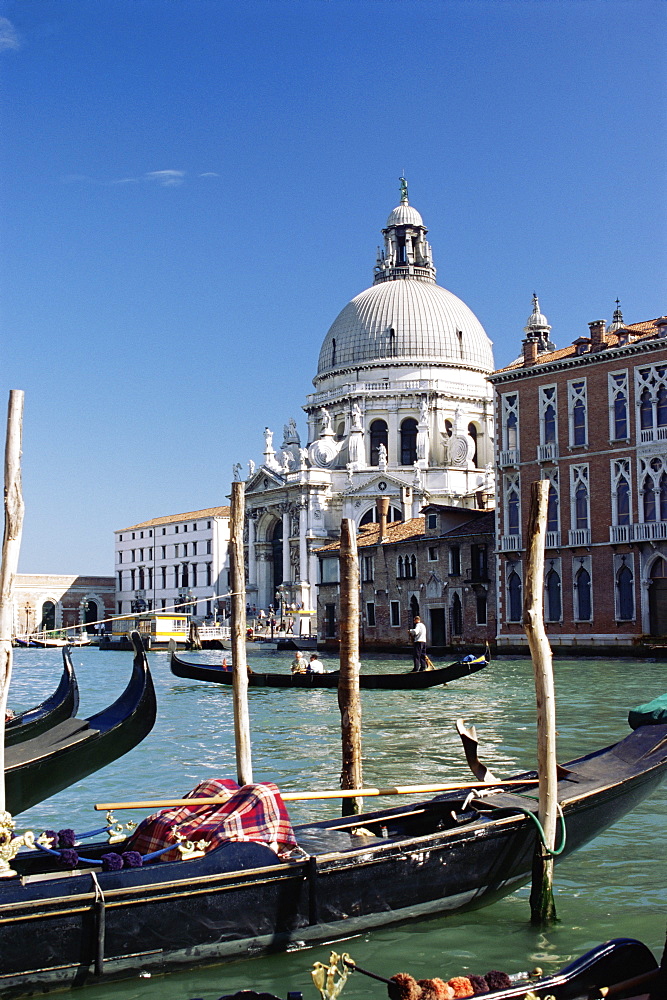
<point x="329" y="979"/>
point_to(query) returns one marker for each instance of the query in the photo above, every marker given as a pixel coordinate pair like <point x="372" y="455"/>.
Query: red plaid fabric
<point x="249" y="812"/>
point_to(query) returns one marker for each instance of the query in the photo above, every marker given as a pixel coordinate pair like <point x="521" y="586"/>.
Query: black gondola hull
<point x="61" y="705"/>
<point x="38" y="768"/>
<point x="240" y="900"/>
<point x="410" y="681"/>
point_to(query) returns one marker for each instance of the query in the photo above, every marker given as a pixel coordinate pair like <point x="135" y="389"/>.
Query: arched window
<point x="514" y="597"/>
<point x="553" y="601"/>
<point x="185" y="575"/>
<point x="583" y="585"/>
<point x="620" y="417"/>
<point x="277" y="554"/>
<point x="626" y="602"/>
<point x="623" y="501"/>
<point x="511" y="430"/>
<point x="379" y="436"/>
<point x="579" y="422"/>
<point x="142" y="584"/>
<point x="550" y="424"/>
<point x="552" y="508"/>
<point x="513" y="512"/>
<point x="661" y="409"/>
<point x="472" y="431"/>
<point x="645" y="411"/>
<point x="663" y="497"/>
<point x="648" y="495"/>
<point x="414" y="607"/>
<point x="371" y="516"/>
<point x="581" y="506"/>
<point x="409" y="441"/>
<point x="399" y="570"/>
<point x="333" y="352"/>
<point x="413" y="567"/>
<point x="457" y="616"/>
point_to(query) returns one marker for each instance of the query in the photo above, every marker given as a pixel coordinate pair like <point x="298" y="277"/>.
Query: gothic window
<point x="379" y="436"/>
<point x="618" y="406"/>
<point x="661" y="408"/>
<point x="648" y="497"/>
<point x="582" y="586"/>
<point x="625" y="591"/>
<point x="620" y="491"/>
<point x="457" y="616"/>
<point x="510" y="421"/>
<point x="663" y="497"/>
<point x="548" y="415"/>
<point x="553" y="501"/>
<point x="409" y="441"/>
<point x="552" y="591"/>
<point x="645" y="410"/>
<point x="580" y="518"/>
<point x="577" y="413"/>
<point x="472" y="431"/>
<point x="399" y="567"/>
<point x="414" y="607"/>
<point x="514" y="597"/>
<point x="413" y="567"/>
<point x="512" y="506"/>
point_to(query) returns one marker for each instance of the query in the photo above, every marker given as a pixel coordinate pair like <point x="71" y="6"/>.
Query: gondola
<point x="38" y="768"/>
<point x="410" y="681"/>
<point x="61" y="705"/>
<point x="458" y="850"/>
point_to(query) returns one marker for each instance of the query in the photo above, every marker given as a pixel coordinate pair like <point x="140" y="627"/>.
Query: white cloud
<point x="9" y="37"/>
<point x="166" y="178"/>
<point x="209" y="173"/>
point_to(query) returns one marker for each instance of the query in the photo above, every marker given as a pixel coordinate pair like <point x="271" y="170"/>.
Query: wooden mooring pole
<point x="542" y="906"/>
<point x="238" y="637"/>
<point x="349" y="699"/>
<point x="11" y="544"/>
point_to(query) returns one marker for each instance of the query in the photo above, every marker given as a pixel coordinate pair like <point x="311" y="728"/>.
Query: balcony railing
<point x="653" y="434"/>
<point x="509" y="457"/>
<point x="620" y="532"/>
<point x="552" y="540"/>
<point x="579" y="536"/>
<point x="510" y="543"/>
<point x="547" y="452"/>
<point x="650" y="531"/>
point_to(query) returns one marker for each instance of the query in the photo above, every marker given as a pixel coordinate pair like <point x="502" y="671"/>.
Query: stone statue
<point x="303" y="456"/>
<point x="268" y="439"/>
<point x="422" y="432"/>
<point x="404" y="190"/>
<point x="287" y="460"/>
<point x="327" y="427"/>
<point x="382" y="458"/>
<point x="357" y="424"/>
<point x="290" y="433"/>
<point x="251" y="468"/>
<point x="236" y="469"/>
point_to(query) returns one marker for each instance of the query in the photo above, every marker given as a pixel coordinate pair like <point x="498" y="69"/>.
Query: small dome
<point x="536" y="320"/>
<point x="404" y="215"/>
<point x="410" y="321"/>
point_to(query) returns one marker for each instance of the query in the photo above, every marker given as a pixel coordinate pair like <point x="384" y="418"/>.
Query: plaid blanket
<point x="248" y="812"/>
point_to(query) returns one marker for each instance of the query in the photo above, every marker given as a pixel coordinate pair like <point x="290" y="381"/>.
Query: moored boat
<point x="65" y="753"/>
<point x="61" y="705"/>
<point x="458" y="850"/>
<point x="221" y="673"/>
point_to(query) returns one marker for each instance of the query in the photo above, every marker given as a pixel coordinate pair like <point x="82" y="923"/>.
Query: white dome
<point x="429" y="324"/>
<point x="404" y="215"/>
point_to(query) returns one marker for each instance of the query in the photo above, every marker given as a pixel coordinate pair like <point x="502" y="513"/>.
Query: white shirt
<point x="316" y="667"/>
<point x="419" y="632"/>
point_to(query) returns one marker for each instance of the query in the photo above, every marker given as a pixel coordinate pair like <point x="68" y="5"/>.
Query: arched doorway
<point x="657" y="598"/>
<point x="91" y="615"/>
<point x="48" y="620"/>
<point x="277" y="556"/>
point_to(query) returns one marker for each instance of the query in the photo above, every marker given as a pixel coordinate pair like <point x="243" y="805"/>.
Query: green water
<point x="614" y="887"/>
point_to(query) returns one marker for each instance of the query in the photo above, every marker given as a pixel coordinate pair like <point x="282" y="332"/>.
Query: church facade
<point x="401" y="409"/>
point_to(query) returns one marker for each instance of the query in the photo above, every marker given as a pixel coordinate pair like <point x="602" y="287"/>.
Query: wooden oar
<point x="336" y="793"/>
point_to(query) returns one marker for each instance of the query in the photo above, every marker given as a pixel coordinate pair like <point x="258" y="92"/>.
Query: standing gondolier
<point x="418" y="634"/>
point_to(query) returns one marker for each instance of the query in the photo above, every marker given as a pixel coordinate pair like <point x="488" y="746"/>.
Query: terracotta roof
<point x="192" y="515"/>
<point x="638" y="331"/>
<point x="397" y="531"/>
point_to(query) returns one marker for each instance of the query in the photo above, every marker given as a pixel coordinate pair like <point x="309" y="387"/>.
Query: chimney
<point x="529" y="352"/>
<point x="383" y="511"/>
<point x="598" y="335"/>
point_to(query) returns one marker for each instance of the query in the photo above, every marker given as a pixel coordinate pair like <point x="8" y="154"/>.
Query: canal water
<point x="614" y="887"/>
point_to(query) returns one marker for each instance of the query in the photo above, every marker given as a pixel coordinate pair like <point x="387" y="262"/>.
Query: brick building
<point x="592" y="419"/>
<point x="45" y="601"/>
<point x="437" y="566"/>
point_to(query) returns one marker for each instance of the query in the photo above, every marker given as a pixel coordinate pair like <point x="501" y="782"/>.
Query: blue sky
<point x="191" y="190"/>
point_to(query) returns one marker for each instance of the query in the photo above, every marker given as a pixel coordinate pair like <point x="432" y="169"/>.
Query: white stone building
<point x="401" y="409"/>
<point x="180" y="560"/>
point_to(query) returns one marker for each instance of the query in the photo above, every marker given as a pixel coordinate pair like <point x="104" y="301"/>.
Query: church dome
<point x="404" y="215"/>
<point x="405" y="317"/>
<point x="405" y="320"/>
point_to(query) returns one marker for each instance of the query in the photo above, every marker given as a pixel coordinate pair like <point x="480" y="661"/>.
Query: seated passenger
<point x="298" y="663"/>
<point x="315" y="666"/>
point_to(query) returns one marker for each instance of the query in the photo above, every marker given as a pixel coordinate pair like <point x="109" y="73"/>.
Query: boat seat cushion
<point x="320" y="840"/>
